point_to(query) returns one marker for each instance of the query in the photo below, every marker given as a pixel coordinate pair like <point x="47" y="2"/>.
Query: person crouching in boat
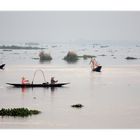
<point x="24" y="81"/>
<point x="53" y="81"/>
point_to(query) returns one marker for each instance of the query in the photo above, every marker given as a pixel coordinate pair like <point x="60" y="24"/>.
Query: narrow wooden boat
<point x="45" y="85"/>
<point x="98" y="69"/>
<point x="2" y="66"/>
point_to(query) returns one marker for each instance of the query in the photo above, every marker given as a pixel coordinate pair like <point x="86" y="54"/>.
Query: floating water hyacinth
<point x="71" y="57"/>
<point x="86" y="56"/>
<point x="45" y="56"/>
<point x="20" y="112"/>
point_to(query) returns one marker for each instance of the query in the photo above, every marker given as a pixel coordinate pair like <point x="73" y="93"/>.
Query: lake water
<point x="111" y="98"/>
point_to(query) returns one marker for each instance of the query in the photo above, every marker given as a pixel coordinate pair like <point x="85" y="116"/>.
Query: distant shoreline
<point x="14" y="47"/>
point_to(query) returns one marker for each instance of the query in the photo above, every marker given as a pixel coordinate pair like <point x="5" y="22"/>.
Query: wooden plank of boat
<point x="98" y="69"/>
<point x="37" y="85"/>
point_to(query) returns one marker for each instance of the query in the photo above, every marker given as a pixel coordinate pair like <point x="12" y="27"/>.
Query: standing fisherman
<point x="95" y="66"/>
<point x="94" y="63"/>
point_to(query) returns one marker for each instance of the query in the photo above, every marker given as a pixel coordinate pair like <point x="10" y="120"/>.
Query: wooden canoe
<point x="44" y="85"/>
<point x="98" y="69"/>
<point x="2" y="66"/>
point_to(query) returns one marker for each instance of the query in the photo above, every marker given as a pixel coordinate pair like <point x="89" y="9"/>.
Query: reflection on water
<point x="45" y="61"/>
<point x="72" y="62"/>
<point x="23" y="89"/>
<point x="52" y="89"/>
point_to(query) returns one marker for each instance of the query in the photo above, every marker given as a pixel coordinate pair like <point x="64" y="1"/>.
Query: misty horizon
<point x="69" y="26"/>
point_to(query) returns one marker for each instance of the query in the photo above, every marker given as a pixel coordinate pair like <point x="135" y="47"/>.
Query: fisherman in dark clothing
<point x="53" y="81"/>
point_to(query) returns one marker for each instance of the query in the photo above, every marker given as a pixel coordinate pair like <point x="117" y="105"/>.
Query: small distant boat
<point x="97" y="69"/>
<point x="44" y="85"/>
<point x="2" y="66"/>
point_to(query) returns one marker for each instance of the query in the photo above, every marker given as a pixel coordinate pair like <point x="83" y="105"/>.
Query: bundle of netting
<point x="71" y="56"/>
<point x="45" y="56"/>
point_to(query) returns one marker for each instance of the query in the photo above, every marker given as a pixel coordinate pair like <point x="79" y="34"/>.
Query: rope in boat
<point x="42" y="74"/>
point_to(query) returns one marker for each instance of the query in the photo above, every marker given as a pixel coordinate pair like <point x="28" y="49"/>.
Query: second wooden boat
<point x="2" y="66"/>
<point x="98" y="69"/>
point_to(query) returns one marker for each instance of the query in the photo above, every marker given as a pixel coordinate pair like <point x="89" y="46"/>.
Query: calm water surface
<point x="111" y="98"/>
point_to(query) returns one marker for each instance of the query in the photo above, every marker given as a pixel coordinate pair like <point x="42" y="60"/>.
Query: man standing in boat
<point x="94" y="65"/>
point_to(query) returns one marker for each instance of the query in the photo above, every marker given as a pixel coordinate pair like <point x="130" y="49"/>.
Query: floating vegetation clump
<point x="15" y="47"/>
<point x="130" y="58"/>
<point x="104" y="46"/>
<point x="88" y="56"/>
<point x="7" y="50"/>
<point x="85" y="56"/>
<point x="18" y="112"/>
<point x="54" y="46"/>
<point x="102" y="55"/>
<point x="77" y="105"/>
<point x="45" y="56"/>
<point x="35" y="58"/>
<point x="32" y="43"/>
<point x="71" y="57"/>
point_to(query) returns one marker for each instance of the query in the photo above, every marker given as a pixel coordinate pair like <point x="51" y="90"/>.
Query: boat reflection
<point x="52" y="89"/>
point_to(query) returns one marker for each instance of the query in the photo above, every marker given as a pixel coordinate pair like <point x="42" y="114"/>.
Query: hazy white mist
<point x="69" y="25"/>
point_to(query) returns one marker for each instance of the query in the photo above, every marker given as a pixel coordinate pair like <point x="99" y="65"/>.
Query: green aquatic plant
<point x="35" y="58"/>
<point x="102" y="55"/>
<point x="20" y="112"/>
<point x="77" y="105"/>
<point x="71" y="57"/>
<point x="86" y="56"/>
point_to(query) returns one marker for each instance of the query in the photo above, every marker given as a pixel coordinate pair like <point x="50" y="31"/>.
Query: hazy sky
<point x="64" y="26"/>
